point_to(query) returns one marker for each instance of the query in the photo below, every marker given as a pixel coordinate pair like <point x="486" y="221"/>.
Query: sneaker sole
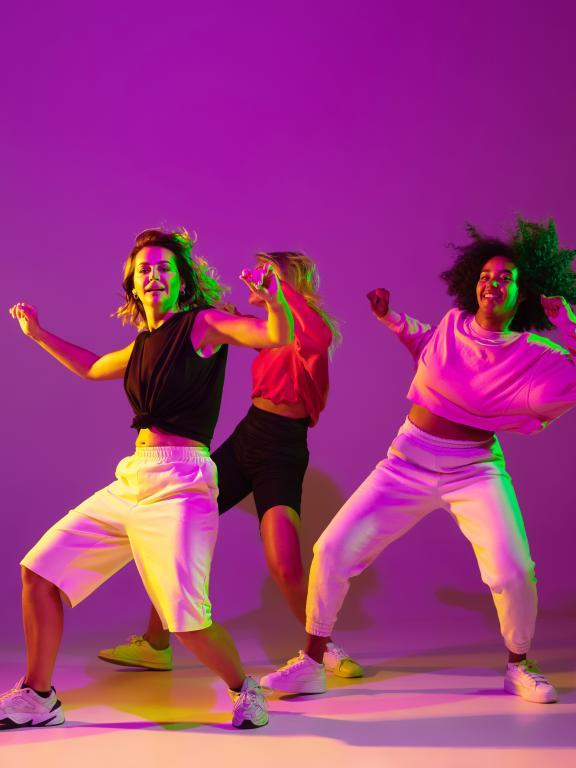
<point x="308" y="690"/>
<point x="248" y="725"/>
<point x="346" y="675"/>
<point x="6" y="724"/>
<point x="515" y="690"/>
<point x="130" y="663"/>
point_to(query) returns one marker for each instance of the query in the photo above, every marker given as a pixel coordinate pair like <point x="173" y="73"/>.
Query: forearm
<point x="391" y="319"/>
<point x="76" y="359"/>
<point x="280" y="322"/>
<point x="412" y="333"/>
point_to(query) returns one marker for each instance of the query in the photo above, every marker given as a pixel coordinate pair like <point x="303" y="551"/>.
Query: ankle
<point x="160" y="642"/>
<point x="38" y="686"/>
<point x="316" y="647"/>
<point x="516" y="658"/>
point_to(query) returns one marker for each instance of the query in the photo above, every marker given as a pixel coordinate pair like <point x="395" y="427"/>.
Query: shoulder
<point x="544" y="345"/>
<point x="456" y="316"/>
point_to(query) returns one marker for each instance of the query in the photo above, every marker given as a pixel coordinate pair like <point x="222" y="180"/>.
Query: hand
<point x="27" y="316"/>
<point x="558" y="311"/>
<point x="379" y="300"/>
<point x="263" y="282"/>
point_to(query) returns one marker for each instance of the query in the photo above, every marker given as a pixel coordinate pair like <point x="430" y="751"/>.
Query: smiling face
<point x="497" y="289"/>
<point x="157" y="282"/>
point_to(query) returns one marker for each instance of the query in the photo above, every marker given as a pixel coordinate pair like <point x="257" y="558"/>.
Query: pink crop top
<point x="494" y="381"/>
<point x="297" y="372"/>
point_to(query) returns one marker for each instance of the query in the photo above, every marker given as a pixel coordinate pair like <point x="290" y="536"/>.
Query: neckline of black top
<point x="165" y="323"/>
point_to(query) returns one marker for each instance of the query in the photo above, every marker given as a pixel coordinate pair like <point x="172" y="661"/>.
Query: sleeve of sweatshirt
<point x="552" y="389"/>
<point x="411" y="332"/>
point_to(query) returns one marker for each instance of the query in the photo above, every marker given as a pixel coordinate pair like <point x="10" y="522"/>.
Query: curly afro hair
<point x="543" y="269"/>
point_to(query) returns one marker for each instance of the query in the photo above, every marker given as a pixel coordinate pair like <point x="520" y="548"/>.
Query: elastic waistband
<point x="172" y="453"/>
<point x="258" y="413"/>
<point x="408" y="428"/>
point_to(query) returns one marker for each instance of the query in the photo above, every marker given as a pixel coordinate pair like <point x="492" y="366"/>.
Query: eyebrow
<point x="148" y="264"/>
<point x="500" y="272"/>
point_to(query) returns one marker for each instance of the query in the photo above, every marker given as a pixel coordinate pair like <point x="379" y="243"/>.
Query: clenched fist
<point x="379" y="300"/>
<point x="27" y="316"/>
<point x="558" y="311"/>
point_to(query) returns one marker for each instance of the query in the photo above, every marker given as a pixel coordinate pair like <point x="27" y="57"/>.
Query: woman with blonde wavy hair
<point x="161" y="511"/>
<point x="267" y="453"/>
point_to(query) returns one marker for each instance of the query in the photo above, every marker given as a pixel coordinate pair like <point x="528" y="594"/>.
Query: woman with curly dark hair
<point x="477" y="372"/>
<point x="161" y="511"/>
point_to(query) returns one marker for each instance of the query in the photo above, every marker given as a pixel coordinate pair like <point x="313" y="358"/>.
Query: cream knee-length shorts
<point x="161" y="512"/>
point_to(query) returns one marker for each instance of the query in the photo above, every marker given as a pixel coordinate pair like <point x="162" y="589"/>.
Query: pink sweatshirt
<point x="495" y="381"/>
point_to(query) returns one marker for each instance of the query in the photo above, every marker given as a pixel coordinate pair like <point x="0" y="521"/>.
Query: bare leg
<point x="43" y="619"/>
<point x="215" y="648"/>
<point x="280" y="532"/>
<point x="155" y="634"/>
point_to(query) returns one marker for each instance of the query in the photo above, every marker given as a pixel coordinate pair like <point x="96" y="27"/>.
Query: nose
<point x="154" y="273"/>
<point x="495" y="283"/>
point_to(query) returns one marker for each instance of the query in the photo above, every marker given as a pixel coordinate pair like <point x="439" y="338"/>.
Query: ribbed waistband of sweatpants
<point x="169" y="453"/>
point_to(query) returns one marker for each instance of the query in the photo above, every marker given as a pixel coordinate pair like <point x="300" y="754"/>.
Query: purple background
<point x="364" y="133"/>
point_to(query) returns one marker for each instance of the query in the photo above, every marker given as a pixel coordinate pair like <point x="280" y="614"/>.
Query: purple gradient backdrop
<point x="366" y="134"/>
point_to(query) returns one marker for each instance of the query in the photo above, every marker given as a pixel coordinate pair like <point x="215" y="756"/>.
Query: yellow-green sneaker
<point x="138" y="652"/>
<point x="337" y="661"/>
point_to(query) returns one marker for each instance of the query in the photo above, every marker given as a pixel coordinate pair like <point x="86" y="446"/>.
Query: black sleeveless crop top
<point x="170" y="386"/>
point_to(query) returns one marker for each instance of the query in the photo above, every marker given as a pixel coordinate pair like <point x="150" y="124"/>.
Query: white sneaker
<point x="23" y="708"/>
<point x="299" y="675"/>
<point x="337" y="661"/>
<point x="524" y="679"/>
<point x="138" y="652"/>
<point x="250" y="708"/>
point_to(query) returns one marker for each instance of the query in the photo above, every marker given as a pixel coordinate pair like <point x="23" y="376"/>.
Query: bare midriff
<point x="290" y="410"/>
<point x="440" y="427"/>
<point x="153" y="437"/>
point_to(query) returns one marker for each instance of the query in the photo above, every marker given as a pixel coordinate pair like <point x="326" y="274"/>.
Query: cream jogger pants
<point x="422" y="473"/>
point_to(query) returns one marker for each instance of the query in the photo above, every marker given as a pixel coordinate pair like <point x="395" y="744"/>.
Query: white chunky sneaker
<point x="138" y="652"/>
<point x="299" y="675"/>
<point x="524" y="679"/>
<point x="337" y="661"/>
<point x="24" y="708"/>
<point x="250" y="708"/>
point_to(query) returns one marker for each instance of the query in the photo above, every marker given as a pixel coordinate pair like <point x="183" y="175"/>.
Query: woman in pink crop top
<point x="267" y="454"/>
<point x="478" y="371"/>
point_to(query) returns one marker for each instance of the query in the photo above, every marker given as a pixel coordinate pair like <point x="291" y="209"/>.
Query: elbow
<point x="283" y="338"/>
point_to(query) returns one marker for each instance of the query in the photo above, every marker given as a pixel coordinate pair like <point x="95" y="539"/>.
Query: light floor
<point x="431" y="708"/>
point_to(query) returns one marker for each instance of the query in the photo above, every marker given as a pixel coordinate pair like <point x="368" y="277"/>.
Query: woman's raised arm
<point x="412" y="333"/>
<point x="216" y="327"/>
<point x="80" y="361"/>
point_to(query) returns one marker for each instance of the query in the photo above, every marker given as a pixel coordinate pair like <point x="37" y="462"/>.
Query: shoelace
<point x="9" y="693"/>
<point x="292" y="662"/>
<point x="15" y="688"/>
<point x="338" y="652"/>
<point x="250" y="696"/>
<point x="136" y="640"/>
<point x="531" y="670"/>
